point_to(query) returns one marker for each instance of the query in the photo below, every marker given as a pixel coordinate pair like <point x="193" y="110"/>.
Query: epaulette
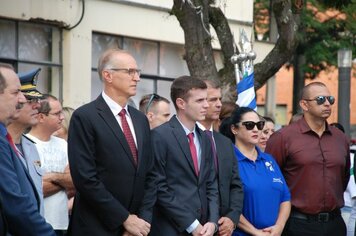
<point x="23" y="135"/>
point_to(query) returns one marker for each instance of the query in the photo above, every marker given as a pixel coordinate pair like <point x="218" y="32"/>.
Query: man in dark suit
<point x="110" y="155"/>
<point x="187" y="194"/>
<point x="18" y="194"/>
<point x="230" y="186"/>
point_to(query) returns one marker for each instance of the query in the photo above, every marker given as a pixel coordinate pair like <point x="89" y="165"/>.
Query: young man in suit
<point x="187" y="194"/>
<point x="110" y="157"/>
<point x="18" y="194"/>
<point x="230" y="186"/>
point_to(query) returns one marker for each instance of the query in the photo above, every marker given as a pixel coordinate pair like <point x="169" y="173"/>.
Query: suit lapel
<point x="106" y="114"/>
<point x="219" y="151"/>
<point x="182" y="140"/>
<point x="203" y="144"/>
<point x="24" y="152"/>
<point x="22" y="160"/>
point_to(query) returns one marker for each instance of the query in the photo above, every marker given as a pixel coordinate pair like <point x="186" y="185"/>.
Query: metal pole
<point x="344" y="64"/>
<point x="270" y="105"/>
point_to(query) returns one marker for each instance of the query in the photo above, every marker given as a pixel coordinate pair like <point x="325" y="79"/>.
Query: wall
<point x="142" y="19"/>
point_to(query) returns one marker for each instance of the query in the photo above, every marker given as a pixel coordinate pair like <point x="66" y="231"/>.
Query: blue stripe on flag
<point x="246" y="92"/>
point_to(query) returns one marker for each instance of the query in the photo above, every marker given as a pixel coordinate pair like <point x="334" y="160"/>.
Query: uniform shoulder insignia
<point x="25" y="136"/>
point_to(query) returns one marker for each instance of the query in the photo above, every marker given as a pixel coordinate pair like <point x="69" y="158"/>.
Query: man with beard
<point x="314" y="159"/>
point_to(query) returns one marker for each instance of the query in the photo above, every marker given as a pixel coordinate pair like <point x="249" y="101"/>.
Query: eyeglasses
<point x="250" y="125"/>
<point x="130" y="71"/>
<point x="153" y="97"/>
<point x="322" y="99"/>
<point x="58" y="114"/>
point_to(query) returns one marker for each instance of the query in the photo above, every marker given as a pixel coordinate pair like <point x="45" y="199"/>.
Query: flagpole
<point x="243" y="65"/>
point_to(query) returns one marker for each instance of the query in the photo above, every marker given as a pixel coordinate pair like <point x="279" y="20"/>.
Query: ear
<point x="41" y="117"/>
<point x="150" y="116"/>
<point x="180" y="103"/>
<point x="106" y="75"/>
<point x="233" y="129"/>
<point x="304" y="105"/>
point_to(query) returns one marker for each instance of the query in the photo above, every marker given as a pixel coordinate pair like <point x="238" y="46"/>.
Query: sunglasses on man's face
<point x="250" y="125"/>
<point x="322" y="99"/>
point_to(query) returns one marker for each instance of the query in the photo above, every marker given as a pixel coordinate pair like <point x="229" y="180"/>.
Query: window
<point x="28" y="46"/>
<point x="160" y="63"/>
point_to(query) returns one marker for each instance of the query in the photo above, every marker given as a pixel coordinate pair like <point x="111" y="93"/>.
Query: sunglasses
<point x="322" y="99"/>
<point x="150" y="101"/>
<point x="250" y="125"/>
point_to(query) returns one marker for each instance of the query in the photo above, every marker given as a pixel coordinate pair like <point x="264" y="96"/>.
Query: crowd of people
<point x="213" y="168"/>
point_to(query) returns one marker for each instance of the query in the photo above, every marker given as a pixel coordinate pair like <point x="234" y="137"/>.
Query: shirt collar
<point x="186" y="130"/>
<point x="242" y="157"/>
<point x="304" y="127"/>
<point x="202" y="127"/>
<point x="114" y="107"/>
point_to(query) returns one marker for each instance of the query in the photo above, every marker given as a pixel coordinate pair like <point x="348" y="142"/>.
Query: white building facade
<point x="66" y="37"/>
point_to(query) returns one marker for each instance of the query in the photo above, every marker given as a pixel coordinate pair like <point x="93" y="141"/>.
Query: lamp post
<point x="344" y="61"/>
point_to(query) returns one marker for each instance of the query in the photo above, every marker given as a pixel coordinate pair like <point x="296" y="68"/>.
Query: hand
<point x="274" y="230"/>
<point x="226" y="226"/>
<point x="197" y="230"/>
<point x="127" y="234"/>
<point x="260" y="232"/>
<point x="208" y="229"/>
<point x="136" y="226"/>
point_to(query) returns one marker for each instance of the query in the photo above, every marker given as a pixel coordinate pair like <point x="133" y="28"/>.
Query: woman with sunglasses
<point x="266" y="195"/>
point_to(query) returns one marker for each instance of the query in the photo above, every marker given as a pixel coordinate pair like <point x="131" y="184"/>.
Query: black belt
<point x="321" y="217"/>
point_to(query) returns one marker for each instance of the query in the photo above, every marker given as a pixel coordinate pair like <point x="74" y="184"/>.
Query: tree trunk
<point x="298" y="81"/>
<point x="198" y="48"/>
<point x="199" y="52"/>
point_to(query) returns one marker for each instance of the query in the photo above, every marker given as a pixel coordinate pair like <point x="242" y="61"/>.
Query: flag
<point x="246" y="96"/>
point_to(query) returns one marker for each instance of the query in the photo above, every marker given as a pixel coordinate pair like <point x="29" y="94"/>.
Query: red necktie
<point x="193" y="152"/>
<point x="128" y="135"/>
<point x="213" y="148"/>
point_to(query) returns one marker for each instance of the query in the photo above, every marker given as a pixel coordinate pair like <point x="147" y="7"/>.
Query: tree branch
<point x="287" y="23"/>
<point x="219" y="22"/>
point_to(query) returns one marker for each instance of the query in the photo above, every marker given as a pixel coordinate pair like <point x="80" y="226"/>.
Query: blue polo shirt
<point x="264" y="189"/>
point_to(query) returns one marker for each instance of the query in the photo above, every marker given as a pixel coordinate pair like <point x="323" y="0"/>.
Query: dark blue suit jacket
<point x="230" y="185"/>
<point x="19" y="196"/>
<point x="182" y="197"/>
<point x="109" y="187"/>
<point x="3" y="225"/>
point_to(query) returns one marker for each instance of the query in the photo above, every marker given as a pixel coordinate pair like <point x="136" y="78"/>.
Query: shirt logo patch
<point x="277" y="180"/>
<point x="269" y="166"/>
